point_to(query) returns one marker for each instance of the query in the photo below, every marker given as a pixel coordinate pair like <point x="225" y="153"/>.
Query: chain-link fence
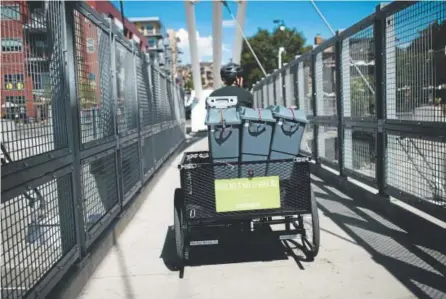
<point x="375" y="95"/>
<point x="86" y="121"/>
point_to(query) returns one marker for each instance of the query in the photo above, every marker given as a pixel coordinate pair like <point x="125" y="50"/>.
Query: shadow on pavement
<point x="415" y="259"/>
<point x="239" y="248"/>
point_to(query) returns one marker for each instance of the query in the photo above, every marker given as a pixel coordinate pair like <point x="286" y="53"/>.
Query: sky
<point x="259" y="14"/>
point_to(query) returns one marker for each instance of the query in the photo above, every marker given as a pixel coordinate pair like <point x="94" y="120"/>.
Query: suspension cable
<point x="334" y="33"/>
<point x="244" y="37"/>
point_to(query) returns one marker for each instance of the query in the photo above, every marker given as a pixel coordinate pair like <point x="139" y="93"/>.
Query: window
<point x="90" y="45"/>
<point x="41" y="81"/>
<point x="10" y="11"/>
<point x="11" y="44"/>
<point x="15" y="100"/>
<point x="149" y="27"/>
<point x="152" y="42"/>
<point x="13" y="81"/>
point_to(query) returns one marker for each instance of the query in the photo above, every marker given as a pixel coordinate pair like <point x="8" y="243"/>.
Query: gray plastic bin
<point x="288" y="132"/>
<point x="257" y="130"/>
<point x="224" y="134"/>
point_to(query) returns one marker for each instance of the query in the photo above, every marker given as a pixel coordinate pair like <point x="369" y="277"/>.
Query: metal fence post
<point x="114" y="93"/>
<point x="339" y="103"/>
<point x="138" y="115"/>
<point x="313" y="104"/>
<point x="73" y="121"/>
<point x="379" y="37"/>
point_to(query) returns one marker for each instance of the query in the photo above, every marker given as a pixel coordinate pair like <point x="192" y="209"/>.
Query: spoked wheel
<point x="178" y="225"/>
<point x="311" y="238"/>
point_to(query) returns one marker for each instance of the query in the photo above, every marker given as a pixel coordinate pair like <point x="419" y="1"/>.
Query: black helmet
<point x="230" y="72"/>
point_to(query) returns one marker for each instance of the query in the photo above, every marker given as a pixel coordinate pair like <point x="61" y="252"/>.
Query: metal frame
<point x="190" y="227"/>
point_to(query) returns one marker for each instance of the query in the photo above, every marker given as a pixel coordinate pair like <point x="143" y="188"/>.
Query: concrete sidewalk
<point x="343" y="269"/>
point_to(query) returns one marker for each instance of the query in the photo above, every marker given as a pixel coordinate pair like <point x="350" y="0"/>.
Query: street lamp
<point x="281" y="49"/>
<point x="282" y="24"/>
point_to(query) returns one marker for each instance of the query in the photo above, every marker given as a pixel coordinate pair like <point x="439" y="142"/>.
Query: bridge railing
<point x="86" y="121"/>
<point x="375" y="95"/>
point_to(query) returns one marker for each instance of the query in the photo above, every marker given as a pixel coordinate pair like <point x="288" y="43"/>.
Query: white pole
<point x="198" y="109"/>
<point x="281" y="50"/>
<point x="238" y="41"/>
<point x="216" y="41"/>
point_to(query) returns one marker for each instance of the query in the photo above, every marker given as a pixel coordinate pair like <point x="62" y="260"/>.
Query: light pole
<point x="281" y="49"/>
<point x="282" y="24"/>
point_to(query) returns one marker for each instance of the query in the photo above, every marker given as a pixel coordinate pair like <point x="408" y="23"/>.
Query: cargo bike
<point x="238" y="186"/>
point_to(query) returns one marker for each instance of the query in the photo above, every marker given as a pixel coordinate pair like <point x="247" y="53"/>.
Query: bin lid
<point x="230" y="115"/>
<point x="289" y="113"/>
<point x="257" y="114"/>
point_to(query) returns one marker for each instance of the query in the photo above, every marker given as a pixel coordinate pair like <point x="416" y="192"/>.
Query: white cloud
<point x="204" y="44"/>
<point x="228" y="23"/>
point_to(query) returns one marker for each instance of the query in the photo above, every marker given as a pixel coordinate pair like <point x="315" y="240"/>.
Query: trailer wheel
<point x="178" y="225"/>
<point x="314" y="243"/>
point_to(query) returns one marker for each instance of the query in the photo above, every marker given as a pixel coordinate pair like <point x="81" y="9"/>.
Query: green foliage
<point x="87" y="94"/>
<point x="189" y="84"/>
<point x="362" y="99"/>
<point x="266" y="46"/>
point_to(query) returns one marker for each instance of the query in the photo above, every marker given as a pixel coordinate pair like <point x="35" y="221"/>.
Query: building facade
<point x="206" y="70"/>
<point x="154" y="31"/>
<point x="26" y="56"/>
<point x="108" y="10"/>
<point x="24" y="70"/>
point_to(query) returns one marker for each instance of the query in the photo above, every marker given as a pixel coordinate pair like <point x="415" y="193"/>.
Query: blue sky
<point x="296" y="14"/>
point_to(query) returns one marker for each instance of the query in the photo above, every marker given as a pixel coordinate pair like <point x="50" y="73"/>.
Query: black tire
<point x="315" y="236"/>
<point x="178" y="224"/>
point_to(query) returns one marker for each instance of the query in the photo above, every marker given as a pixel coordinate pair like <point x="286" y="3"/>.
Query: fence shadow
<point x="416" y="260"/>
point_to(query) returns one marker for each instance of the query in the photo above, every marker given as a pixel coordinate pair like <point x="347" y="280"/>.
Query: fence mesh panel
<point x="144" y="97"/>
<point x="37" y="230"/>
<point x="418" y="167"/>
<point x="127" y="108"/>
<point x="358" y="72"/>
<point x="360" y="151"/>
<point x="93" y="58"/>
<point x="156" y="81"/>
<point x="307" y="143"/>
<point x="33" y="93"/>
<point x="147" y="154"/>
<point x="415" y="64"/>
<point x="130" y="167"/>
<point x="328" y="142"/>
<point x="307" y="80"/>
<point x="99" y="188"/>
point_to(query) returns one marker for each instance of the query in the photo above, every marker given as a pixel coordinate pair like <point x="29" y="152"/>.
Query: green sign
<point x="246" y="194"/>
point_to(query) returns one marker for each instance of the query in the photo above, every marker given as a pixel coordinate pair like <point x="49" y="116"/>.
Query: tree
<point x="266" y="46"/>
<point x="189" y="84"/>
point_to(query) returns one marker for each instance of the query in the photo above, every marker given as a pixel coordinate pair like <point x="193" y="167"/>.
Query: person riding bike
<point x="231" y="75"/>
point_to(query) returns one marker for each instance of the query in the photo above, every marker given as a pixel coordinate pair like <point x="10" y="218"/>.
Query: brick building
<point x="24" y="68"/>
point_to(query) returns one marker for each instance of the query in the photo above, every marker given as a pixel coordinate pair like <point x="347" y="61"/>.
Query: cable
<point x="334" y="33"/>
<point x="244" y="37"/>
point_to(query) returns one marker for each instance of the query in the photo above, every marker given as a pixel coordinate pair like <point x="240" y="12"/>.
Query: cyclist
<point x="231" y="75"/>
